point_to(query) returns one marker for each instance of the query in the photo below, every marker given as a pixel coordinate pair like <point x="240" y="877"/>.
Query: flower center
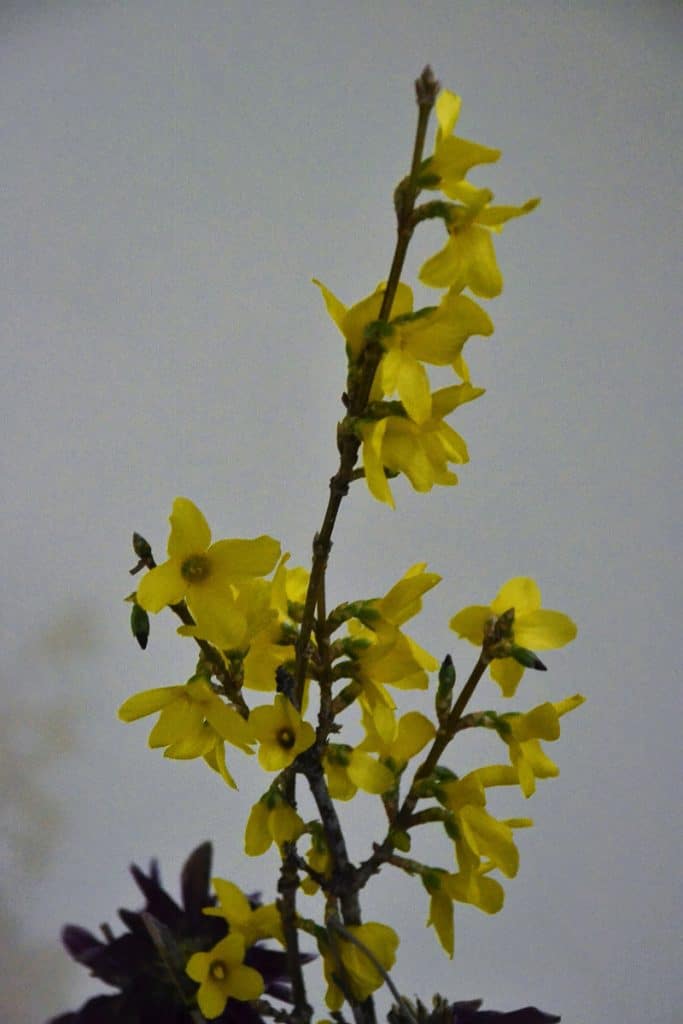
<point x="286" y="738"/>
<point x="195" y="569"/>
<point x="218" y="970"/>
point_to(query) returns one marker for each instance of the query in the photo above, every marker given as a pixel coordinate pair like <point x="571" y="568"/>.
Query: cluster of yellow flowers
<point x="233" y="604"/>
<point x="413" y="438"/>
<point x="245" y="607"/>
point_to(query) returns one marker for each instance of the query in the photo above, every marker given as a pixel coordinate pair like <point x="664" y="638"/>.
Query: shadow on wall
<point x="36" y="732"/>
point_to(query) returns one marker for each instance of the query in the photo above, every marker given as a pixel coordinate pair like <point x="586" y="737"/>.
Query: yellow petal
<point x="507" y="673"/>
<point x="241" y="559"/>
<point x="190" y="533"/>
<point x="414" y="733"/>
<point x="447" y="109"/>
<point x="493" y="216"/>
<point x="562" y="707"/>
<point x="482" y="275"/>
<point x="441" y="916"/>
<point x="257" y="837"/>
<point x="161" y="586"/>
<point x="368" y="774"/>
<point x="177" y="720"/>
<point x="403" y="600"/>
<point x="234" y="905"/>
<point x="445" y="269"/>
<point x="490" y="838"/>
<point x="520" y="593"/>
<point x="378" y="485"/>
<point x="336" y="309"/>
<point x="413" y="388"/>
<point x="147" y="702"/>
<point x="541" y="723"/>
<point x="544" y="630"/>
<point x="215" y="758"/>
<point x="367" y="310"/>
<point x="246" y="983"/>
<point x="469" y="623"/>
<point x="285" y="824"/>
<point x="453" y="158"/>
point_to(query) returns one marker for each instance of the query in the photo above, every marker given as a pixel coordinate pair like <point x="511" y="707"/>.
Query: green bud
<point x="141" y="547"/>
<point x="401" y="841"/>
<point x="446" y="677"/>
<point x="139" y="624"/>
<point x="527" y="658"/>
<point x="444" y="690"/>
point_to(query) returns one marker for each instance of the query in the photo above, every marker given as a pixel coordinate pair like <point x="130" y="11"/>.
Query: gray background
<point x="173" y="175"/>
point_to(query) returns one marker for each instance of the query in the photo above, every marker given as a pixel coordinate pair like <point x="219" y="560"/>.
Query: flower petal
<point x="240" y="559"/>
<point x="161" y="586"/>
<point x="469" y="623"/>
<point x="190" y="533"/>
<point x="521" y="593"/>
<point x="148" y="701"/>
<point x="544" y="630"/>
<point x="507" y="673"/>
<point x="245" y="983"/>
<point x="368" y="774"/>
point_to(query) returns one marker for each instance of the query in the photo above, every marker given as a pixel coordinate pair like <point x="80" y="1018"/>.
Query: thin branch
<point x="426" y="88"/>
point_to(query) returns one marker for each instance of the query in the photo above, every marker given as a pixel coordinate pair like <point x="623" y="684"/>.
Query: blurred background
<point x="173" y="176"/>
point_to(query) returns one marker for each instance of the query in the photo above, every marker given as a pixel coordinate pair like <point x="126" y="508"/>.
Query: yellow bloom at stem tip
<point x="222" y="975"/>
<point x="453" y="157"/>
<point x="535" y="628"/>
<point x="202" y="572"/>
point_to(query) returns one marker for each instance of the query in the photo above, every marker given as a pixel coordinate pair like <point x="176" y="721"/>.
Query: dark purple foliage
<point x="146" y="963"/>
<point x="469" y="1013"/>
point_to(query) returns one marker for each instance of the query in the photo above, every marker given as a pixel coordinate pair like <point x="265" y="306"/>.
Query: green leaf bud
<point x="139" y="624"/>
<point x="527" y="658"/>
<point x="141" y="546"/>
<point x="401" y="840"/>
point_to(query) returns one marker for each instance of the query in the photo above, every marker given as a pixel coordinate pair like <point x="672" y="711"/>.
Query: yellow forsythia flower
<point x="525" y="731"/>
<point x="353" y="321"/>
<point x="422" y="451"/>
<point x="468" y="260"/>
<point x="453" y="157"/>
<point x="251" y="923"/>
<point x="411" y="733"/>
<point x="479" y="833"/>
<point x="222" y="975"/>
<point x="435" y="336"/>
<point x="202" y="572"/>
<point x="348" y="770"/>
<point x="535" y="628"/>
<point x="193" y="722"/>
